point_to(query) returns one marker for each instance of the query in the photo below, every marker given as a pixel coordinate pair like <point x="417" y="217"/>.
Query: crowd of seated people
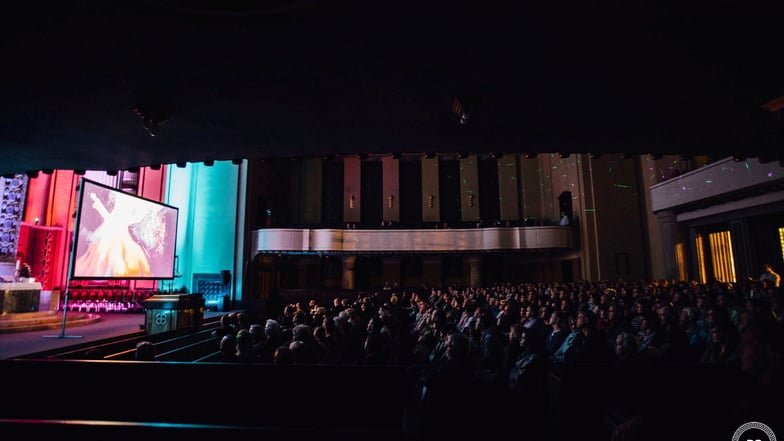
<point x="470" y="345"/>
<point x="570" y="322"/>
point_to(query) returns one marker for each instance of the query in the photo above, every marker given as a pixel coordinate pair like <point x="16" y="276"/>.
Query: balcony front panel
<point x="351" y="241"/>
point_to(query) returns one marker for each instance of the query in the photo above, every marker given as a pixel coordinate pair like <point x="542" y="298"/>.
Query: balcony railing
<point x="320" y="241"/>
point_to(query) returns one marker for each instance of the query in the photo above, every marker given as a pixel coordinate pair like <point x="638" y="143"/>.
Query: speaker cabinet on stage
<point x="171" y="312"/>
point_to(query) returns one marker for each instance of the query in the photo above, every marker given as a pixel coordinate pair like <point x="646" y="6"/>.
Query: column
<point x="474" y="271"/>
<point x="469" y="189"/>
<point x="390" y="176"/>
<point x="670" y="236"/>
<point x="431" y="211"/>
<point x="352" y="190"/>
<point x="508" y="184"/>
<point x="349" y="263"/>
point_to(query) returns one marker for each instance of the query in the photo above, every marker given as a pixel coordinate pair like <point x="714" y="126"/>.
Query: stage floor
<point x="112" y="324"/>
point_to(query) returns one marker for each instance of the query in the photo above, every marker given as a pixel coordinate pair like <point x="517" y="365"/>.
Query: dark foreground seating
<point x="181" y="397"/>
<point x="592" y="400"/>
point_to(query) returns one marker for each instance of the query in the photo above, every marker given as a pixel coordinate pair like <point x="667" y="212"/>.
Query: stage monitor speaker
<point x="225" y="276"/>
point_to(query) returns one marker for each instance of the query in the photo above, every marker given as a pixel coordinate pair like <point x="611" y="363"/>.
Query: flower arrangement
<point x="24" y="271"/>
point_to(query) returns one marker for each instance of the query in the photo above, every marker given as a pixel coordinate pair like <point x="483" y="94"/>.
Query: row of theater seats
<point x="106" y="300"/>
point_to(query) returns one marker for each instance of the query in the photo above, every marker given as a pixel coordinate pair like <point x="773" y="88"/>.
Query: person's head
<point x="458" y="347"/>
<point x="257" y="332"/>
<point x="301" y="332"/>
<point x="228" y="346"/>
<point x="760" y="350"/>
<point x="272" y="328"/>
<point x="145" y="351"/>
<point x="243" y="344"/>
<point x="529" y="341"/>
<point x="626" y="345"/>
<point x="283" y="355"/>
<point x="586" y="320"/>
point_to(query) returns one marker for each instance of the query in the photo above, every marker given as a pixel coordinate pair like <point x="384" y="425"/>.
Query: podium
<point x="18" y="297"/>
<point x="172" y="312"/>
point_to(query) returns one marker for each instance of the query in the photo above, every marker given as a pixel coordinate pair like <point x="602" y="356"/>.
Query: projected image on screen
<point x="121" y="236"/>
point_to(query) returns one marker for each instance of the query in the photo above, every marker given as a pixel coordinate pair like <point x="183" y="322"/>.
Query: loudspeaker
<point x="225" y="276"/>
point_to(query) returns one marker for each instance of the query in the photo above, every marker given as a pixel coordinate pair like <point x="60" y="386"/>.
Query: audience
<point x="471" y="346"/>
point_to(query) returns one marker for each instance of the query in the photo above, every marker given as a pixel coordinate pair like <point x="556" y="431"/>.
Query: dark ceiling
<point x="86" y="83"/>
